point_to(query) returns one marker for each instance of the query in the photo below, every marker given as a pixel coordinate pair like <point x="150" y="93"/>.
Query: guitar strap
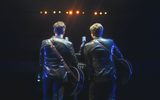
<point x="105" y="48"/>
<point x="112" y="54"/>
<point x="62" y="60"/>
<point x="122" y="59"/>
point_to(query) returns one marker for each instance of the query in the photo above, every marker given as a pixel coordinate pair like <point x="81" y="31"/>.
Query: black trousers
<point x="53" y="89"/>
<point x="102" y="88"/>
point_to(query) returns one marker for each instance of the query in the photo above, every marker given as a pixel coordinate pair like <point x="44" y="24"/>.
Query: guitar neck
<point x="68" y="69"/>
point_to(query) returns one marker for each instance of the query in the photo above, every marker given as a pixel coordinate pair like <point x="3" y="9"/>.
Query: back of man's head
<point x="96" y="29"/>
<point x="59" y="27"/>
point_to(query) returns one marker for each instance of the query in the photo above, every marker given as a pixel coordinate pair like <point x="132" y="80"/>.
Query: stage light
<point x="100" y="13"/>
<point x="45" y="12"/>
<point x="83" y="13"/>
<point x="77" y="12"/>
<point x="70" y="12"/>
<point x="54" y="12"/>
<point x="67" y="12"/>
<point x="59" y="12"/>
<point x="105" y="13"/>
<point x="95" y="13"/>
<point x="41" y="12"/>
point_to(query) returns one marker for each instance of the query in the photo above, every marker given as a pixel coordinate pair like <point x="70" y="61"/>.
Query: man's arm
<point x="88" y="68"/>
<point x="72" y="57"/>
<point x="85" y="54"/>
<point x="41" y="62"/>
<point x="116" y="52"/>
<point x="41" y="54"/>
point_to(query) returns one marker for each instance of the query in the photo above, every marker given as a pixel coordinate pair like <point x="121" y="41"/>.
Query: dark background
<point x="133" y="24"/>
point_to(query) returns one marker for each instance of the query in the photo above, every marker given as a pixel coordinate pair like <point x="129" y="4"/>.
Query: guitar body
<point x="74" y="86"/>
<point x="124" y="71"/>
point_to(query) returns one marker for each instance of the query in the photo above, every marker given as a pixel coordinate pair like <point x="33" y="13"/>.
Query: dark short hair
<point x="59" y="27"/>
<point x="96" y="29"/>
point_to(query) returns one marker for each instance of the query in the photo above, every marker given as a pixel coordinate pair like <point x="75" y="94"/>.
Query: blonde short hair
<point x="96" y="29"/>
<point x="59" y="27"/>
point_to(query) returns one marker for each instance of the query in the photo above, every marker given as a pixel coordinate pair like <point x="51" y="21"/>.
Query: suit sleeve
<point x="41" y="56"/>
<point x="85" y="54"/>
<point x="89" y="69"/>
<point x="116" y="51"/>
<point x="72" y="57"/>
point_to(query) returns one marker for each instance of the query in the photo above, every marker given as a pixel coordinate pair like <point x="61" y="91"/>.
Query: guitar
<point x="75" y="75"/>
<point x="124" y="71"/>
<point x="123" y="68"/>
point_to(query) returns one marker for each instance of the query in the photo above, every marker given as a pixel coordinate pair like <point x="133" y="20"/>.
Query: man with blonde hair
<point x="99" y="60"/>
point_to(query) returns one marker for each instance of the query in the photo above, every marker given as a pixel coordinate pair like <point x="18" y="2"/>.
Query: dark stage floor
<point x="18" y="82"/>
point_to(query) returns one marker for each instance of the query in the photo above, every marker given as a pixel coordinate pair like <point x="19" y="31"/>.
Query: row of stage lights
<point x="71" y="12"/>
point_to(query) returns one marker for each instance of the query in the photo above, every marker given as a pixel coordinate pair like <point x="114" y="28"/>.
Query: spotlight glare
<point x="54" y="12"/>
<point x="45" y="12"/>
<point x="70" y="12"/>
<point x="95" y="13"/>
<point x="41" y="12"/>
<point x="67" y="12"/>
<point x="83" y="13"/>
<point x="105" y="13"/>
<point x="100" y="13"/>
<point x="59" y="12"/>
<point x="77" y="12"/>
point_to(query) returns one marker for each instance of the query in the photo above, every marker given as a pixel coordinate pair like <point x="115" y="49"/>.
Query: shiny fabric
<point x="98" y="59"/>
<point x="53" y="88"/>
<point x="49" y="59"/>
<point x="101" y="68"/>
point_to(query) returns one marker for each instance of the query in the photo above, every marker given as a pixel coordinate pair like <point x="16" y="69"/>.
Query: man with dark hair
<point x="51" y="64"/>
<point x="98" y="55"/>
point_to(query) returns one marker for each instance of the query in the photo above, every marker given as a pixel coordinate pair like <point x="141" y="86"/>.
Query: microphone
<point x="38" y="78"/>
<point x="81" y="51"/>
<point x="66" y="38"/>
<point x="83" y="39"/>
<point x="83" y="42"/>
